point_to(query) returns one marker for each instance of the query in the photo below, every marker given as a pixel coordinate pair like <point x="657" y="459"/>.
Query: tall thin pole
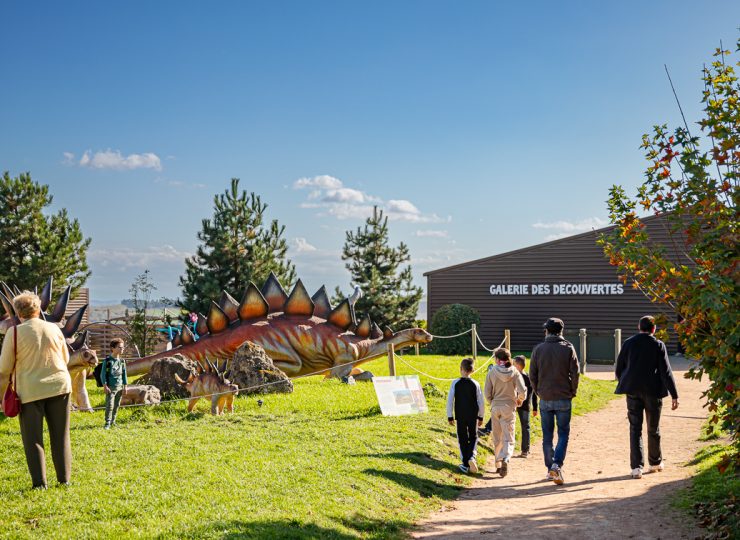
<point x="391" y="361"/>
<point x="474" y="342"/>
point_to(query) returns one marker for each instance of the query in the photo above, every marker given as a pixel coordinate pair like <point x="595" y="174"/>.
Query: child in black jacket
<point x="465" y="405"/>
<point x="523" y="409"/>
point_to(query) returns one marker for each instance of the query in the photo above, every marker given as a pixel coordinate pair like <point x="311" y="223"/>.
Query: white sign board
<point x="400" y="395"/>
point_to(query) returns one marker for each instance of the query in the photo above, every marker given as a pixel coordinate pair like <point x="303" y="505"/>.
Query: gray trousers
<point x="56" y="411"/>
<point x="112" y="402"/>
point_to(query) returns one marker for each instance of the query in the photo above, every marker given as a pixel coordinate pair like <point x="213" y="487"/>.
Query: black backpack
<point x="99" y="370"/>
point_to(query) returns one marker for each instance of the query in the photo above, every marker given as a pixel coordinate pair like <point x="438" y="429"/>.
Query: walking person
<point x="644" y="374"/>
<point x="465" y="406"/>
<point x="523" y="410"/>
<point x="505" y="391"/>
<point x="114" y="378"/>
<point x="553" y="371"/>
<point x="35" y="353"/>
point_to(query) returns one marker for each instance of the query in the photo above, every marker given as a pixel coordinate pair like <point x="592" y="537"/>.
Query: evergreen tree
<point x="389" y="296"/>
<point x="35" y="245"/>
<point x="236" y="247"/>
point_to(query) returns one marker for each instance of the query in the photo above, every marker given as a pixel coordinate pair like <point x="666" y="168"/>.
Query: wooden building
<point x="569" y="278"/>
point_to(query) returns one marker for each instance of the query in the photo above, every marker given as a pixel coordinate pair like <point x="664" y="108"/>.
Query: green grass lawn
<point x="320" y="462"/>
<point x="713" y="496"/>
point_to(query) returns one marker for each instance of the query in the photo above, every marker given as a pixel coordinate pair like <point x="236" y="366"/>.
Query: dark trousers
<point x="56" y="411"/>
<point x="467" y="437"/>
<point x="524" y="421"/>
<point x="651" y="406"/>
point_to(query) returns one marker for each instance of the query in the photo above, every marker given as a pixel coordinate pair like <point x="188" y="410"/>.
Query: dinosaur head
<point x="409" y="336"/>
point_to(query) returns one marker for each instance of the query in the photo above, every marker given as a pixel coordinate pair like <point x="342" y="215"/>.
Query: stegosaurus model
<point x="302" y="334"/>
<point x="82" y="359"/>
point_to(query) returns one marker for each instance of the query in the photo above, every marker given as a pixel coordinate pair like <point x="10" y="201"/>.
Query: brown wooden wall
<point x="577" y="259"/>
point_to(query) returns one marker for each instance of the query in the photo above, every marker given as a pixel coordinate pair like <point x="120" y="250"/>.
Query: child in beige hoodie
<point x="505" y="391"/>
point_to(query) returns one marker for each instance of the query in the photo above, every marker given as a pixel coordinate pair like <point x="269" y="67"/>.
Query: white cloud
<point x="324" y="182"/>
<point x="431" y="234"/>
<point x="346" y="195"/>
<point x="302" y="245"/>
<point x="569" y="226"/>
<point x="126" y="258"/>
<point x="69" y="158"/>
<point x="113" y="159"/>
<point x="330" y="196"/>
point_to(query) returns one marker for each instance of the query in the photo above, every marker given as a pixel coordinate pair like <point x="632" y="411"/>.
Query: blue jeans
<point x="550" y="412"/>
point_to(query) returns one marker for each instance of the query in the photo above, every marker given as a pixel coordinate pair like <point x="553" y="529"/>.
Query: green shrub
<point x="449" y="320"/>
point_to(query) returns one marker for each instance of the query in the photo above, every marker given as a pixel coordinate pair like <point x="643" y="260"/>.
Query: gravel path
<point x="599" y="498"/>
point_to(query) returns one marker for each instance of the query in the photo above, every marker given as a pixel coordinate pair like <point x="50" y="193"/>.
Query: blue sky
<point x="479" y="127"/>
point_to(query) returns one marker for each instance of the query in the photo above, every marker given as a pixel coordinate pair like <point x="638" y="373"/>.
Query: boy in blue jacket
<point x="114" y="378"/>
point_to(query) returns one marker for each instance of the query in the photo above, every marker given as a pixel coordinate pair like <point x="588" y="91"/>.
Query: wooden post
<point x="474" y="343"/>
<point x="617" y="348"/>
<point x="507" y="339"/>
<point x="416" y="348"/>
<point x="583" y="341"/>
<point x="391" y="361"/>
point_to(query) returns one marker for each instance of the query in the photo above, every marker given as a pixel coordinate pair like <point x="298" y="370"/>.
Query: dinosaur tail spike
<point x="60" y="307"/>
<point x="299" y="303"/>
<point x="229" y="306"/>
<point x="376" y="332"/>
<point x="322" y="305"/>
<point x="46" y="294"/>
<point x="387" y="332"/>
<point x="9" y="294"/>
<point x="342" y="316"/>
<point x="274" y="293"/>
<point x="7" y="305"/>
<point x="79" y="342"/>
<point x="201" y="326"/>
<point x="186" y="337"/>
<point x="217" y="320"/>
<point x="211" y="367"/>
<point x="254" y="305"/>
<point x="73" y="322"/>
<point x="364" y="328"/>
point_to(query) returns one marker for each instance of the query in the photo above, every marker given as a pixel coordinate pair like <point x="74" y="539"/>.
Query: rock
<point x="141" y="394"/>
<point x="251" y="367"/>
<point x="162" y="375"/>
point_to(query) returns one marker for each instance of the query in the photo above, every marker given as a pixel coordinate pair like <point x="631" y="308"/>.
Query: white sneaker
<point x="473" y="465"/>
<point x="656" y="468"/>
<point x="636" y="473"/>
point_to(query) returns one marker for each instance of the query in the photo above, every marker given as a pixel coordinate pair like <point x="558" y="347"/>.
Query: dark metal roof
<point x="536" y="246"/>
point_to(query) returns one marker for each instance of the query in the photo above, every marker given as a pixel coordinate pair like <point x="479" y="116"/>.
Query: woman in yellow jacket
<point x="43" y="385"/>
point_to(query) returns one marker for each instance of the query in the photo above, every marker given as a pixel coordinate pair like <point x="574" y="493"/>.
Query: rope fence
<point x="318" y="372"/>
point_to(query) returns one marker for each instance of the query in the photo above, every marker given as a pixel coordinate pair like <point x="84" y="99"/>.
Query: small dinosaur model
<point x="210" y="382"/>
<point x="302" y="334"/>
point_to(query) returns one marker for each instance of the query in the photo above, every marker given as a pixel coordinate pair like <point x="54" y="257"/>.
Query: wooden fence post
<point x="617" y="348"/>
<point x="416" y="348"/>
<point x="583" y="341"/>
<point x="507" y="339"/>
<point x="474" y="343"/>
<point x="391" y="361"/>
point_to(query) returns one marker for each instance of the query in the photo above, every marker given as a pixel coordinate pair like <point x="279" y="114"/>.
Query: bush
<point x="449" y="320"/>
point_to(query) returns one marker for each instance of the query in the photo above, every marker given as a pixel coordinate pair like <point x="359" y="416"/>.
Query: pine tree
<point x="35" y="245"/>
<point x="236" y="247"/>
<point x="142" y="331"/>
<point x="389" y="296"/>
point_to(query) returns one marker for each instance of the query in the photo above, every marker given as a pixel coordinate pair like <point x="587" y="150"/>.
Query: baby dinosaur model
<point x="302" y="334"/>
<point x="82" y="359"/>
<point x="210" y="382"/>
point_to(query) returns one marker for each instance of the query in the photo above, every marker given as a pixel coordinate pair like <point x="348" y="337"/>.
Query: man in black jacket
<point x="645" y="375"/>
<point x="553" y="371"/>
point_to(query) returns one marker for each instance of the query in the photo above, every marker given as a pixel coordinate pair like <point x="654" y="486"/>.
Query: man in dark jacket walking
<point x="644" y="374"/>
<point x="553" y="371"/>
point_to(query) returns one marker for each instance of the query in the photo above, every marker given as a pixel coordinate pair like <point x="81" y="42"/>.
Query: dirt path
<point x="599" y="499"/>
